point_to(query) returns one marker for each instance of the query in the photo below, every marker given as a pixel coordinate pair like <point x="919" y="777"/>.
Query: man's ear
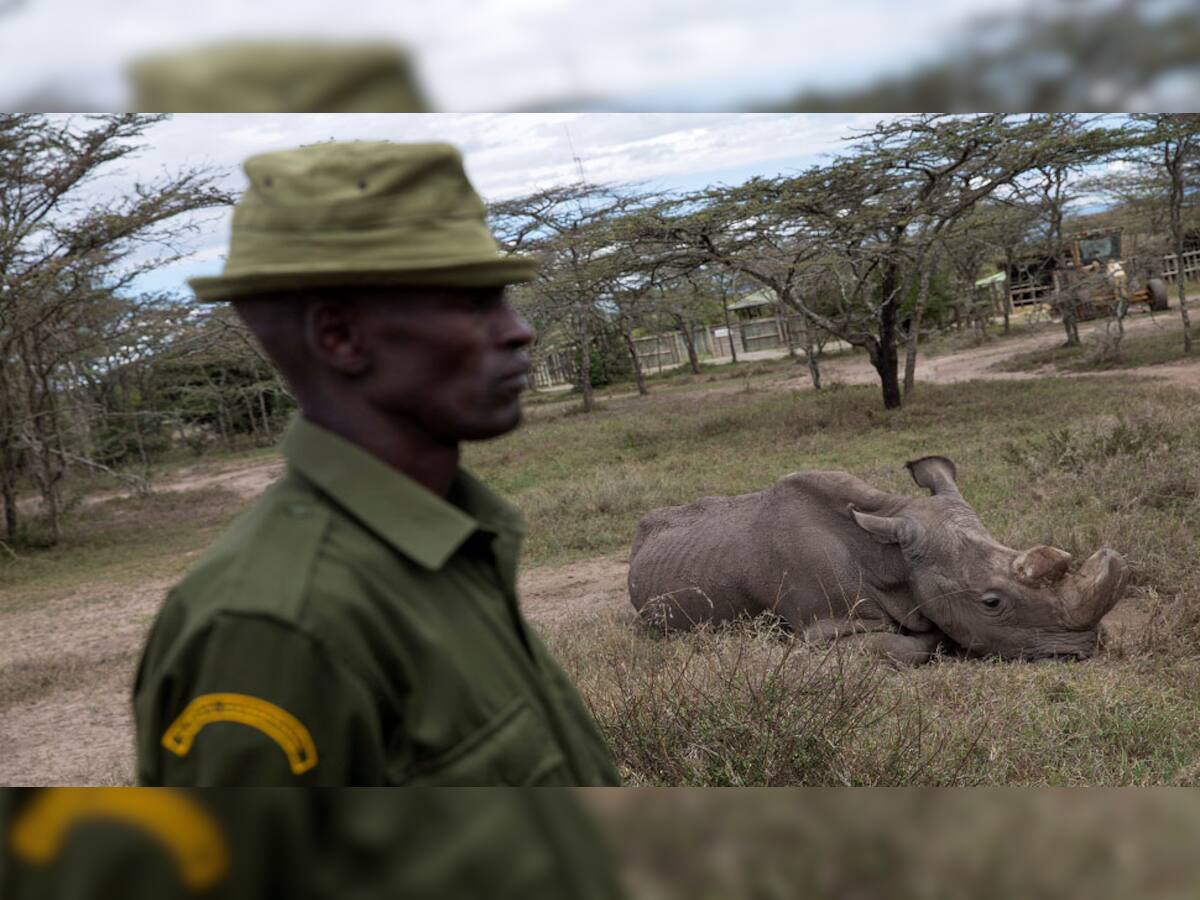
<point x="336" y="335"/>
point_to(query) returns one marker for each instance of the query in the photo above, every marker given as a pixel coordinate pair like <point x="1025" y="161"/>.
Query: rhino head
<point x="988" y="598"/>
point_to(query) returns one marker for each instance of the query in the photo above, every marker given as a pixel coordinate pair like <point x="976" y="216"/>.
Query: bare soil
<point x="67" y="664"/>
<point x="66" y="679"/>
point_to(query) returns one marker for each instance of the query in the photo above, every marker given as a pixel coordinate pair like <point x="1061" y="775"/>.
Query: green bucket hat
<point x="278" y="76"/>
<point x="360" y="213"/>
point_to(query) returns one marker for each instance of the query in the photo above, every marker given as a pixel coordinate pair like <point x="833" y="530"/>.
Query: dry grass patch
<point x="1100" y="351"/>
<point x="127" y="538"/>
<point x="28" y="681"/>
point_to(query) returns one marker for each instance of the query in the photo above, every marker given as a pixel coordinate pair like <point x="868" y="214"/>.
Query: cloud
<point x="506" y="155"/>
<point x="490" y="54"/>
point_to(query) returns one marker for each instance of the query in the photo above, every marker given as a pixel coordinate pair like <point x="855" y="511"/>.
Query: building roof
<point x="991" y="279"/>
<point x="757" y="298"/>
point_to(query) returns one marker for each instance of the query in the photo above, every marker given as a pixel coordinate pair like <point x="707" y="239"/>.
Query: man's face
<point x="449" y="360"/>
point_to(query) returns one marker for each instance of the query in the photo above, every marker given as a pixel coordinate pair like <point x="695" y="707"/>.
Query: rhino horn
<point x="1041" y="565"/>
<point x="1099" y="584"/>
<point x="937" y="474"/>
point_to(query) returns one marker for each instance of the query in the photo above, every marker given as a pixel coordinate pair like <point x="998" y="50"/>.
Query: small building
<point x="757" y="305"/>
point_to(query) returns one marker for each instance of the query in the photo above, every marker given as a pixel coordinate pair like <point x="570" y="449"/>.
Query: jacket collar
<point x="423" y="526"/>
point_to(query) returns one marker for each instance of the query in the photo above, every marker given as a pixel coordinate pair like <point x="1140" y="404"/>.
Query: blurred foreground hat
<point x="278" y="77"/>
<point x="360" y="213"/>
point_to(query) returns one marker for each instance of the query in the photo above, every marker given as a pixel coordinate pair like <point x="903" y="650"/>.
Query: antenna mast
<point x="575" y="156"/>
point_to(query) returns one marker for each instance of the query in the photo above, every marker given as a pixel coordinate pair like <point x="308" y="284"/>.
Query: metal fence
<point x="668" y="350"/>
<point x="1191" y="266"/>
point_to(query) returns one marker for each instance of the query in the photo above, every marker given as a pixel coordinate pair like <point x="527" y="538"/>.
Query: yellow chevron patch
<point x="186" y="830"/>
<point x="276" y="723"/>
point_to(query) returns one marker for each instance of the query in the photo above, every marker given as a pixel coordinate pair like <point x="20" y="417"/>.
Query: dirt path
<point x="979" y="363"/>
<point x="67" y="665"/>
<point x="66" y="677"/>
<point x="555" y="595"/>
<point x="971" y="364"/>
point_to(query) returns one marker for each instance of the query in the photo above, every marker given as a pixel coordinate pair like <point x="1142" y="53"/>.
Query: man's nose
<point x="513" y="330"/>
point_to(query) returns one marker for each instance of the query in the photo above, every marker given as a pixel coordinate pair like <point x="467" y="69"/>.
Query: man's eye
<point x="487" y="299"/>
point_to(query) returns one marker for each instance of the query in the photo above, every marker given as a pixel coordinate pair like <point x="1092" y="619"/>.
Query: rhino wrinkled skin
<point x="835" y="558"/>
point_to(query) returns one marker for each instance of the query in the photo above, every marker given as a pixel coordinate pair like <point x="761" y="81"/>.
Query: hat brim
<point x="489" y="273"/>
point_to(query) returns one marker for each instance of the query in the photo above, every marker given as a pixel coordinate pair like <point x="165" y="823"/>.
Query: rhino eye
<point x="991" y="601"/>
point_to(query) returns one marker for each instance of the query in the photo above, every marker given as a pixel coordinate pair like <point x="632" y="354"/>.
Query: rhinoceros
<point x="836" y="558"/>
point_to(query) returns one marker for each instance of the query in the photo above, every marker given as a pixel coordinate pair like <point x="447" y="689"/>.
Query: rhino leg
<point x="826" y="631"/>
<point x="902" y="649"/>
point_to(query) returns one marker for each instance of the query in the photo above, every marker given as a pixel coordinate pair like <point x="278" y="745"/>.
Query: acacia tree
<point x="936" y="169"/>
<point x="756" y="229"/>
<point x="567" y="227"/>
<point x="885" y="207"/>
<point x="1171" y="144"/>
<point x="69" y="255"/>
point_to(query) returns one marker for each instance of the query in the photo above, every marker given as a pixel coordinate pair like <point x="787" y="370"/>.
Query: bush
<point x="745" y="705"/>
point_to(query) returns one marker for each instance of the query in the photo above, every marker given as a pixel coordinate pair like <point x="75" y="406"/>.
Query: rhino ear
<point x="1041" y="565"/>
<point x="887" y="529"/>
<point x="937" y="474"/>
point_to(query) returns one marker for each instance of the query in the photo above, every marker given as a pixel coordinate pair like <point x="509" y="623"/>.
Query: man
<point x="360" y="625"/>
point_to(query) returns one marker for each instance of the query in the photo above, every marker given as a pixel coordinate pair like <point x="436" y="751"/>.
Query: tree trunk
<point x="262" y="407"/>
<point x="8" y="466"/>
<point x="53" y="512"/>
<point x="585" y="364"/>
<point x="729" y="331"/>
<point x="11" y="521"/>
<point x="1177" y="240"/>
<point x="689" y="343"/>
<point x="1066" y="303"/>
<point x="782" y="329"/>
<point x="811" y="354"/>
<point x="8" y="487"/>
<point x="886" y="358"/>
<point x="1006" y="300"/>
<point x="638" y="378"/>
<point x="914" y="329"/>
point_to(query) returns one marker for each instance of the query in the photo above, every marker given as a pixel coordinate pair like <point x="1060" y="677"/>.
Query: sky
<point x="507" y="54"/>
<point x="506" y="154"/>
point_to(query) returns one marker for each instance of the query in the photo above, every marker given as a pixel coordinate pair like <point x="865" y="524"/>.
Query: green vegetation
<point x="122" y="539"/>
<point x="583" y="481"/>
<point x="1076" y="464"/>
<point x="1164" y="345"/>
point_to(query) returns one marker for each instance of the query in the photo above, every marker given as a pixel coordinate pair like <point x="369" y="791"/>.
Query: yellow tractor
<point x="1096" y="277"/>
<point x="1091" y="274"/>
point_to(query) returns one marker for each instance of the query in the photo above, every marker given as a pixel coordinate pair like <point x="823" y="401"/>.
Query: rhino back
<point x="811" y="561"/>
<point x="792" y="549"/>
<point x="694" y="554"/>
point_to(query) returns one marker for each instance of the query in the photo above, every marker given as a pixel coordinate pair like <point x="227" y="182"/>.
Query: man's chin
<point x="496" y="426"/>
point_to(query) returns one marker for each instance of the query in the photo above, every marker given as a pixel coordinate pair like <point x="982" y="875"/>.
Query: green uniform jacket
<point x="262" y="844"/>
<point x="355" y="629"/>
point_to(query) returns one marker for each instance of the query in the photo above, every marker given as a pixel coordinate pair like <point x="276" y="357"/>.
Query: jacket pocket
<point x="513" y="748"/>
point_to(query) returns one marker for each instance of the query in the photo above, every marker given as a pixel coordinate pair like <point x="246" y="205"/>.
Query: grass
<point x="1096" y="353"/>
<point x="682" y="377"/>
<point x="583" y="481"/>
<point x="1071" y="463"/>
<point x="1076" y="463"/>
<point x="120" y="539"/>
